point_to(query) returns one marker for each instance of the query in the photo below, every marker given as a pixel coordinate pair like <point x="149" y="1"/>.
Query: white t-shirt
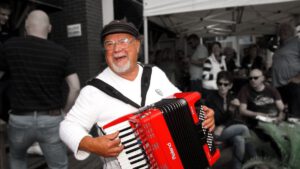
<point x="196" y="71"/>
<point x="93" y="106"/>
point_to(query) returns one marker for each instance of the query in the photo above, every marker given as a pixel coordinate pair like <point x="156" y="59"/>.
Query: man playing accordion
<point x="122" y="45"/>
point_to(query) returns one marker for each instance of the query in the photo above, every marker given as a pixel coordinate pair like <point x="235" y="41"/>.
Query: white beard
<point x="121" y="69"/>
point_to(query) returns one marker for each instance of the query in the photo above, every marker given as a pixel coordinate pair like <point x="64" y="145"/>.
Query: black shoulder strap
<point x="111" y="91"/>
<point x="145" y="83"/>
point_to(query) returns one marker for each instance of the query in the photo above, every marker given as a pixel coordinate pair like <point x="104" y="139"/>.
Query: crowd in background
<point x="258" y="88"/>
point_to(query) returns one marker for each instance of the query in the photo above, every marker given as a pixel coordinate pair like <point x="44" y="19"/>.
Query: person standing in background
<point x="196" y="62"/>
<point x="286" y="69"/>
<point x="252" y="60"/>
<point x="214" y="64"/>
<point x="38" y="69"/>
<point x="5" y="12"/>
<point x="230" y="58"/>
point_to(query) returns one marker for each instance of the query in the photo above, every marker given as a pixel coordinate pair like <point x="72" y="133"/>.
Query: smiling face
<point x="122" y="54"/>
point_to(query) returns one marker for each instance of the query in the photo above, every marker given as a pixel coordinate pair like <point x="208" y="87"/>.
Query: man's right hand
<point x="106" y="146"/>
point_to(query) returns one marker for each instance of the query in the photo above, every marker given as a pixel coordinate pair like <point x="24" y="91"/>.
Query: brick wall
<point x="86" y="49"/>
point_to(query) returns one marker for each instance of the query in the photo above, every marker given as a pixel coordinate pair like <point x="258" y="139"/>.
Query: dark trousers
<point x="290" y="94"/>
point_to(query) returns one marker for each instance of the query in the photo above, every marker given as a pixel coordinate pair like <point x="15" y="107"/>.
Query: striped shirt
<point x="211" y="69"/>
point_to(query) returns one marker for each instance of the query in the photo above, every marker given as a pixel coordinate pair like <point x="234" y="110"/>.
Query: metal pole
<point x="146" y="48"/>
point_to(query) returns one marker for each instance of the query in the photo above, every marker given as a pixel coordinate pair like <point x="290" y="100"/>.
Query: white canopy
<point x="219" y="17"/>
<point x="163" y="7"/>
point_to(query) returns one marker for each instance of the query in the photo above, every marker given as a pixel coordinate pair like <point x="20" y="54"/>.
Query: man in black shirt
<point x="38" y="69"/>
<point x="260" y="100"/>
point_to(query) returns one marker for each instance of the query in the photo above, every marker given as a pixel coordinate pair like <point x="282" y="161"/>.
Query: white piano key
<point x="139" y="163"/>
<point x="128" y="140"/>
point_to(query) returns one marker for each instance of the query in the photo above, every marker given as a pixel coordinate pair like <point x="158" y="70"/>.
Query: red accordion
<point x="166" y="135"/>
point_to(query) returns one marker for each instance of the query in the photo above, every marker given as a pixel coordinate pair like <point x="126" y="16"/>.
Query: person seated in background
<point x="212" y="66"/>
<point x="260" y="100"/>
<point x="228" y="130"/>
<point x="252" y="60"/>
<point x="261" y="105"/>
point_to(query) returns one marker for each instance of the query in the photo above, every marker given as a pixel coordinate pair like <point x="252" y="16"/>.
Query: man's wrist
<point x="86" y="143"/>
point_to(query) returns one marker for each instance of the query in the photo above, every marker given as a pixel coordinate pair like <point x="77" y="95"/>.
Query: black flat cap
<point x="119" y="26"/>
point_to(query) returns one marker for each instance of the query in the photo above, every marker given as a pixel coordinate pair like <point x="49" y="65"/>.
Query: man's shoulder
<point x="30" y="41"/>
<point x="270" y="88"/>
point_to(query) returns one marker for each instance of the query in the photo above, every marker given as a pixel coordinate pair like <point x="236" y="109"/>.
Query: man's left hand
<point x="209" y="122"/>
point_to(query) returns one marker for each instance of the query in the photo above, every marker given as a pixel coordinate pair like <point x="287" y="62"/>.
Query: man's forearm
<point x="74" y="88"/>
<point x="248" y="113"/>
<point x="72" y="95"/>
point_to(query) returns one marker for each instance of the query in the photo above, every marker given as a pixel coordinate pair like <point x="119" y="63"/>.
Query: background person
<point x="228" y="128"/>
<point x="37" y="96"/>
<point x="5" y="11"/>
<point x="212" y="66"/>
<point x="252" y="60"/>
<point x="259" y="99"/>
<point x="286" y="69"/>
<point x="197" y="59"/>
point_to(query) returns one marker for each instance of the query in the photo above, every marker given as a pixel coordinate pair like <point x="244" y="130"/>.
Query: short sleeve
<point x="69" y="64"/>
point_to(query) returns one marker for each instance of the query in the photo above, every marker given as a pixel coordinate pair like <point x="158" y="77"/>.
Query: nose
<point x="117" y="47"/>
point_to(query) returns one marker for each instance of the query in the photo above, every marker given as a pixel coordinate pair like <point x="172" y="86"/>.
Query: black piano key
<point x="127" y="128"/>
<point x="135" y="156"/>
<point x="130" y="145"/>
<point x="138" y="160"/>
<point x="140" y="166"/>
<point x="128" y="141"/>
<point x="124" y="135"/>
<point x="132" y="150"/>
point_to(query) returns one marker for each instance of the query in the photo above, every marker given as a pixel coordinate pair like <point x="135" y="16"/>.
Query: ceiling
<point x="242" y="20"/>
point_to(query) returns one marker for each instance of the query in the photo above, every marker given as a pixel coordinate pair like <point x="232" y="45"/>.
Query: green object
<point x="287" y="138"/>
